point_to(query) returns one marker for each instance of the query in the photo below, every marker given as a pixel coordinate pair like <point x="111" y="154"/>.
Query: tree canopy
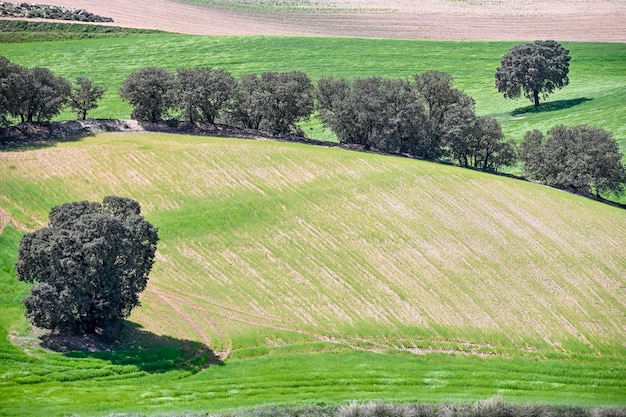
<point x="85" y="96"/>
<point x="203" y="92"/>
<point x="533" y="69"/>
<point x="152" y="92"/>
<point x="581" y="158"/>
<point x="88" y="266"/>
<point x="425" y="117"/>
<point x="31" y="94"/>
<point x="274" y="100"/>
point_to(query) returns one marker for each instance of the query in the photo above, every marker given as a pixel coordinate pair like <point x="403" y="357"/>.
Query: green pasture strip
<point x="22" y="31"/>
<point x="596" y="94"/>
<point x="85" y="386"/>
<point x="12" y="292"/>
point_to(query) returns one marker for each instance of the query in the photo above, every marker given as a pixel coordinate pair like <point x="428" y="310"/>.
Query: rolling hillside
<point x="321" y="274"/>
<point x="294" y="275"/>
<point x="299" y="244"/>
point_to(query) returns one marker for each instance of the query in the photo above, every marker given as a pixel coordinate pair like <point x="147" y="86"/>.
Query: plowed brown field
<point x="566" y="20"/>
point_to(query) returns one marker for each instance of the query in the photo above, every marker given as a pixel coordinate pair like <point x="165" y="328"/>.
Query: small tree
<point x="444" y="104"/>
<point x="85" y="96"/>
<point x="203" y="92"/>
<point x="291" y="99"/>
<point x="440" y="98"/>
<point x="531" y="155"/>
<point x="152" y="92"/>
<point x="533" y="69"/>
<point x="338" y="110"/>
<point x="481" y="143"/>
<point x="458" y="131"/>
<point x="88" y="265"/>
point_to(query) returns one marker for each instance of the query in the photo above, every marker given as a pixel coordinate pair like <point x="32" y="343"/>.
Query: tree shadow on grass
<point x="137" y="347"/>
<point x="551" y="106"/>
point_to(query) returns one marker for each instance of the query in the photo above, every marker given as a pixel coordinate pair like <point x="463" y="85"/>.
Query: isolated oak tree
<point x="151" y="91"/>
<point x="534" y="69"/>
<point x="85" y="96"/>
<point x="88" y="266"/>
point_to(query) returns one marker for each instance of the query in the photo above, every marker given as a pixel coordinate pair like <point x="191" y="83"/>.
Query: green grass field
<point x="596" y="94"/>
<point x="321" y="276"/>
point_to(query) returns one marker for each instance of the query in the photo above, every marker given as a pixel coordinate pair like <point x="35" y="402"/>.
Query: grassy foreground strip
<point x="595" y="96"/>
<point x="97" y="387"/>
<point x="323" y="275"/>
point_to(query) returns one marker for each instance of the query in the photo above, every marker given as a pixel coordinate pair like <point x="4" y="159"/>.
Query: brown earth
<point x="515" y="20"/>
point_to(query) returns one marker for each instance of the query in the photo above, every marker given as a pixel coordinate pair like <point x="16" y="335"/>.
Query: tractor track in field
<point x="205" y="339"/>
<point x="263" y="321"/>
<point x="320" y="333"/>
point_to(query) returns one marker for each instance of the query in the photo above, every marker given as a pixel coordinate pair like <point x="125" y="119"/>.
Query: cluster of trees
<point x="424" y="116"/>
<point x="37" y="95"/>
<point x="580" y="158"/>
<point x="272" y="101"/>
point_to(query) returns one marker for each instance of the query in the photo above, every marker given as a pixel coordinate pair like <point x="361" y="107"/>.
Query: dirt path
<point x="567" y="20"/>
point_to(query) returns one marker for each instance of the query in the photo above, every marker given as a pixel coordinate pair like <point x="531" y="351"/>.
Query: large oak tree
<point x="533" y="69"/>
<point x="88" y="266"/>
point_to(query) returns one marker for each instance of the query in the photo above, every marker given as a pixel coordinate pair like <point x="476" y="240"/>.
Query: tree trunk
<point x="536" y="97"/>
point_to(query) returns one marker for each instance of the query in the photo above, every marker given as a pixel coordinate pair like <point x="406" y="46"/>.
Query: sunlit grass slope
<point x="267" y="243"/>
<point x="321" y="274"/>
<point x="596" y="94"/>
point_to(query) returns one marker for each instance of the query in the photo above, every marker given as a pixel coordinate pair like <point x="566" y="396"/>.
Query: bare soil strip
<point x="568" y="20"/>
